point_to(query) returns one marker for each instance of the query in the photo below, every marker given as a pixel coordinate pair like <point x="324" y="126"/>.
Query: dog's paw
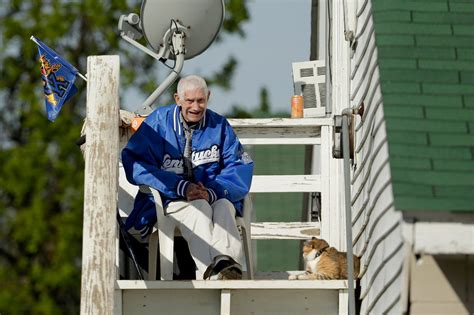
<point x="292" y="277"/>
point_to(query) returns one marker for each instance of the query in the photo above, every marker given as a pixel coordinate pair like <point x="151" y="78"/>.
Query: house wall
<point x="442" y="284"/>
<point x="377" y="230"/>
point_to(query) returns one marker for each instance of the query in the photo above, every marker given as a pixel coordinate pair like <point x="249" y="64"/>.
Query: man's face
<point x="193" y="105"/>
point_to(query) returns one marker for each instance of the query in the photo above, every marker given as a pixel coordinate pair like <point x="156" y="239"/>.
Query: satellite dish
<point x="201" y="19"/>
<point x="173" y="29"/>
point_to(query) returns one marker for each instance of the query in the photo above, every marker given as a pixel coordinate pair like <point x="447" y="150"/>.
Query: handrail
<point x="280" y="122"/>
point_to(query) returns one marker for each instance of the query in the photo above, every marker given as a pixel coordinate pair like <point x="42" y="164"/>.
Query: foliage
<point x="264" y="105"/>
<point x="41" y="186"/>
<point x="262" y="110"/>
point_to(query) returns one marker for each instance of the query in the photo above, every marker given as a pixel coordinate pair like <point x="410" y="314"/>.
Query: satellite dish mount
<point x="176" y="30"/>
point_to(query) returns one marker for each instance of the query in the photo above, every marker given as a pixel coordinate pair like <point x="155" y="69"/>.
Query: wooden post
<point x="100" y="189"/>
<point x="340" y="100"/>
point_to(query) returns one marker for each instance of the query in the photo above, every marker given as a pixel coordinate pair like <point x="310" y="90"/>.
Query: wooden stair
<point x="271" y="293"/>
<point x="283" y="131"/>
<point x="232" y="297"/>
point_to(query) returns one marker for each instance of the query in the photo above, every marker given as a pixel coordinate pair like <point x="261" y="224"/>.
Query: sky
<point x="277" y="34"/>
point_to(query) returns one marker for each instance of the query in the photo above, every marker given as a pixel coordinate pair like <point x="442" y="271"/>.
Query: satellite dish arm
<point x="179" y="51"/>
<point x="173" y="41"/>
<point x="141" y="47"/>
<point x="130" y="30"/>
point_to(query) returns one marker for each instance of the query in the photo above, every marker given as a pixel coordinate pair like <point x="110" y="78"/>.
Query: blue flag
<point x="58" y="79"/>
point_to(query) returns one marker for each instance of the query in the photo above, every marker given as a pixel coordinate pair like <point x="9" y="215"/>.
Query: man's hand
<point x="197" y="191"/>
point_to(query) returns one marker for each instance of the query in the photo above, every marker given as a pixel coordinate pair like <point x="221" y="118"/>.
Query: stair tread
<point x="232" y="284"/>
<point x="280" y="122"/>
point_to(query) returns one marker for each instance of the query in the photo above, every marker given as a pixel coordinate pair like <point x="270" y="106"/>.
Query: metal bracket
<point x="337" y="146"/>
<point x="337" y="149"/>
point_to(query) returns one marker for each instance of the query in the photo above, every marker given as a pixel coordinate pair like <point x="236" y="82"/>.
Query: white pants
<point x="209" y="230"/>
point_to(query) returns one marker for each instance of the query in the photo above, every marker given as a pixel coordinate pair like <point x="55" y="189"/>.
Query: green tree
<point x="264" y="103"/>
<point x="263" y="110"/>
<point x="41" y="182"/>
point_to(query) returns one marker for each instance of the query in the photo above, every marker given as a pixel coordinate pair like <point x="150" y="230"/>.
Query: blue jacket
<point x="154" y="157"/>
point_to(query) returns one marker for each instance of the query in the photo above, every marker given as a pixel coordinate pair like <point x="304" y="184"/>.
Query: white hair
<point x="191" y="82"/>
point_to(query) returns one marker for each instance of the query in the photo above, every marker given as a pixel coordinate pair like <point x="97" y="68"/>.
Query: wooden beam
<point x="282" y="141"/>
<point x="285" y="183"/>
<point x="287" y="131"/>
<point x="231" y="284"/>
<point x="285" y="230"/>
<point x="458" y="238"/>
<point x="225" y="301"/>
<point x="100" y="188"/>
<point x="280" y="122"/>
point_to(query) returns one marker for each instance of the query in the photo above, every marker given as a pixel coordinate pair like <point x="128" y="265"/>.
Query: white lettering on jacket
<point x="206" y="156"/>
<point x="199" y="157"/>
<point x="172" y="165"/>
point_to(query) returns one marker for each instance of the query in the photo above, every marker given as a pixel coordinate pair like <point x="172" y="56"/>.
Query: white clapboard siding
<point x="376" y="224"/>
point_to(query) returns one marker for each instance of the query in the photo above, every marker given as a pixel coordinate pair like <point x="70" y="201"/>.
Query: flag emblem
<point x="58" y="77"/>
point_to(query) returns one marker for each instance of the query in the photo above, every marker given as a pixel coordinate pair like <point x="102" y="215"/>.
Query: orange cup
<point x="297" y="105"/>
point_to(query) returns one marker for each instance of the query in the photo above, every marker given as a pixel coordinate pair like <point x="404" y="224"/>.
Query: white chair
<point x="163" y="239"/>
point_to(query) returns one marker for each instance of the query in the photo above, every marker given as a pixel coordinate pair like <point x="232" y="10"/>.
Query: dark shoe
<point x="228" y="270"/>
<point x="209" y="274"/>
<point x="224" y="270"/>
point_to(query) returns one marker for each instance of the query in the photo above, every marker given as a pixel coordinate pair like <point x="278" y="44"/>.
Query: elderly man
<point x="191" y="155"/>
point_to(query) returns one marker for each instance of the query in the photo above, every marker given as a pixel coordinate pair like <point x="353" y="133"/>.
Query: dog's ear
<point x="313" y="238"/>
